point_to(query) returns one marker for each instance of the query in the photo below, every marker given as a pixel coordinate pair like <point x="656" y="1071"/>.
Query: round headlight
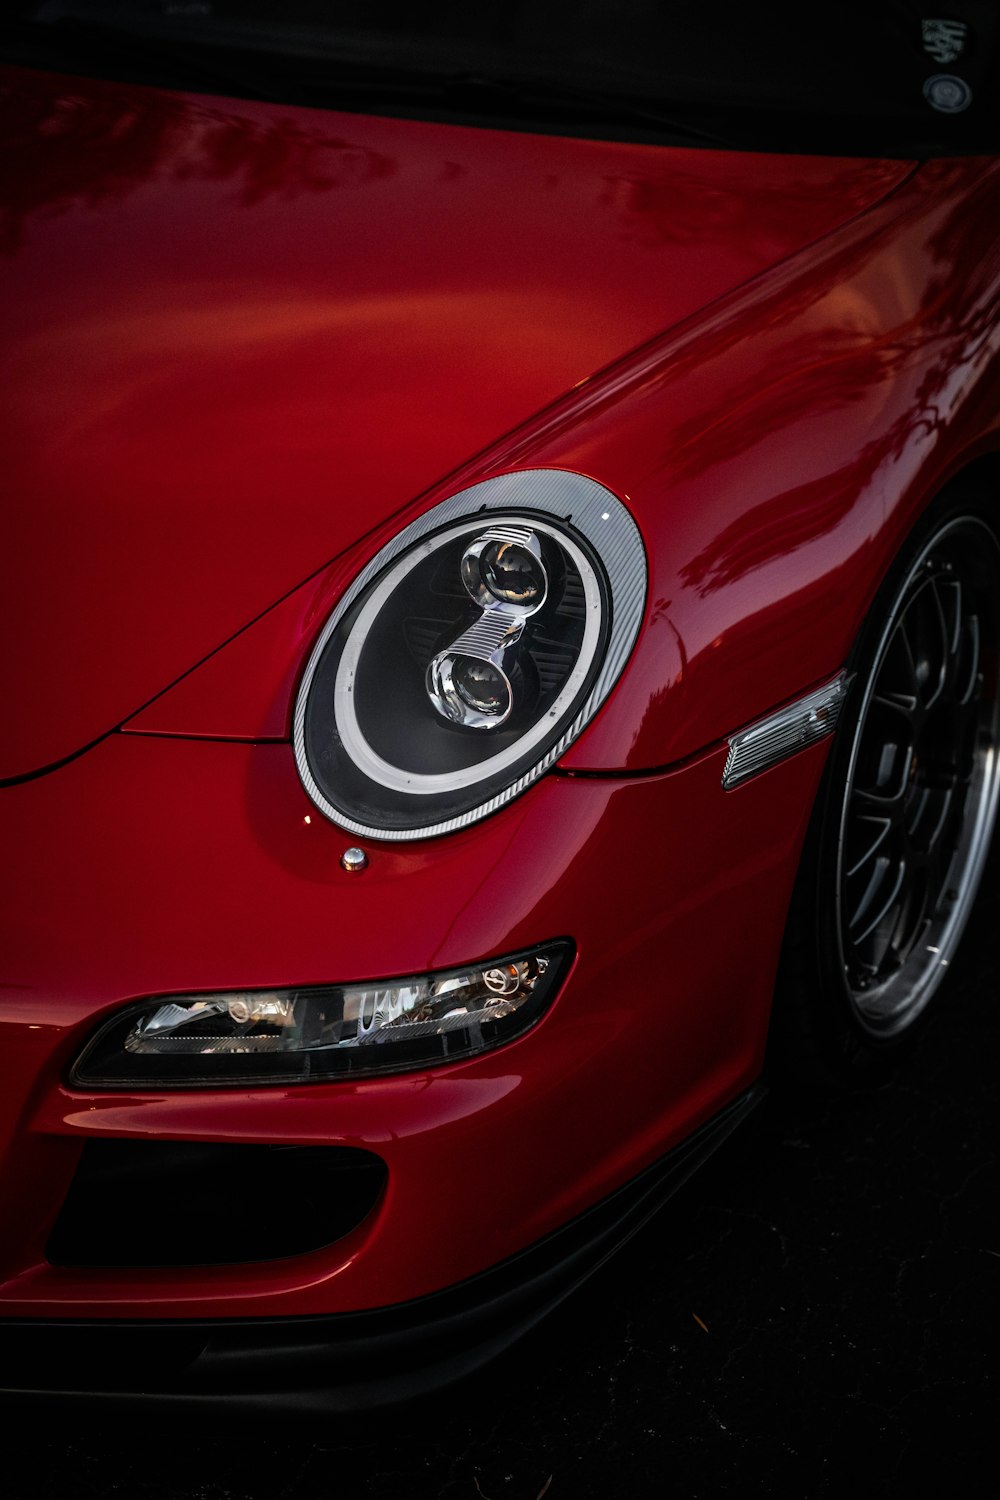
<point x="469" y="653"/>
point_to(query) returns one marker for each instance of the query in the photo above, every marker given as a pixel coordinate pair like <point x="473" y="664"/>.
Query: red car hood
<point x="239" y="336"/>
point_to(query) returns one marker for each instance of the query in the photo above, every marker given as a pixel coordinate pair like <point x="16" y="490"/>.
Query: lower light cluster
<point x="273" y="1036"/>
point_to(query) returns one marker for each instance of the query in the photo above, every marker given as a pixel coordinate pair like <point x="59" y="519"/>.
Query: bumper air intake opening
<point x="174" y="1203"/>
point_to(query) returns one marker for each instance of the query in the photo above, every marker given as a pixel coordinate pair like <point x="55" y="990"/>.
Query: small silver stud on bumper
<point x="353" y="860"/>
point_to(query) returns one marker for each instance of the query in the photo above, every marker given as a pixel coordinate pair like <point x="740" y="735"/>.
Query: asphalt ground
<point x="815" y="1314"/>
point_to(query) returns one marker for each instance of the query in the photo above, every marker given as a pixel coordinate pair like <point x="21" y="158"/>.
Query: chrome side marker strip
<point x="783" y="733"/>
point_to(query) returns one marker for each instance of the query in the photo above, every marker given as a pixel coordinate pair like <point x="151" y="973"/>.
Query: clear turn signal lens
<point x="287" y="1035"/>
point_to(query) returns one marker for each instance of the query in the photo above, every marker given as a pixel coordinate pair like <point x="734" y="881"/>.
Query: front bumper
<point x="346" y="1361"/>
<point x="155" y="866"/>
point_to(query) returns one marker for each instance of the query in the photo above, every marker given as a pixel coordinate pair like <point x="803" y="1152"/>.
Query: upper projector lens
<point x="512" y="574"/>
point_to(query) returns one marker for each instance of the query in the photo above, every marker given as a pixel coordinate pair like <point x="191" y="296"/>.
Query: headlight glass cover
<point x="333" y="1031"/>
<point x="469" y="653"/>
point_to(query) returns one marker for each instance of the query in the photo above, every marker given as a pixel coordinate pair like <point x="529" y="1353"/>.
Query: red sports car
<point x="502" y="646"/>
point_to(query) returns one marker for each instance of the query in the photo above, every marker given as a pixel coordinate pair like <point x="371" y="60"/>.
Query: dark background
<point x="815" y="1314"/>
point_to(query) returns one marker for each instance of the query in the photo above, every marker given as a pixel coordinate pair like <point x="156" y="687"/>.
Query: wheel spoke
<point x="912" y="917"/>
<point x="969" y="681"/>
<point x="949" y="594"/>
<point x="885" y="756"/>
<point x="935" y="815"/>
<point x="898" y="685"/>
<point x="878" y="951"/>
<point x="923" y="627"/>
<point x="877" y="900"/>
<point x="866" y="836"/>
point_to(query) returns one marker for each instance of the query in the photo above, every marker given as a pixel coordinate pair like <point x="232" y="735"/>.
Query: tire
<point x="900" y="839"/>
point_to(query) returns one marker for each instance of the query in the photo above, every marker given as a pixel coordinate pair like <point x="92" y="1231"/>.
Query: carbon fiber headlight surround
<point x="469" y="654"/>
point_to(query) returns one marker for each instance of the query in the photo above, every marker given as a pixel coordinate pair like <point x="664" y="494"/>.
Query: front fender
<point x="774" y="451"/>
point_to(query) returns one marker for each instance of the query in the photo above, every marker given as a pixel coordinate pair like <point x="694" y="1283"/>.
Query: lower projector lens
<point x="481" y="686"/>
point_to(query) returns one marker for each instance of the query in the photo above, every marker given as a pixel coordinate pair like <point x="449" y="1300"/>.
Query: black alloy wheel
<point x="901" y="837"/>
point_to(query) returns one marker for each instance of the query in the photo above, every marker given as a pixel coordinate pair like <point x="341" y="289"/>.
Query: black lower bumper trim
<point x="346" y="1361"/>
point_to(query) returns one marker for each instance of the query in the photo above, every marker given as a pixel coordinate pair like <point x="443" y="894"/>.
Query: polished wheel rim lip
<point x="886" y="999"/>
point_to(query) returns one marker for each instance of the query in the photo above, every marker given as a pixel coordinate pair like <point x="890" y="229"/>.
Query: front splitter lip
<point x="348" y="1361"/>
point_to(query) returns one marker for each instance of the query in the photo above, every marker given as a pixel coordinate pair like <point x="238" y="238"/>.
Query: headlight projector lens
<point x="504" y="566"/>
<point x="469" y="653"/>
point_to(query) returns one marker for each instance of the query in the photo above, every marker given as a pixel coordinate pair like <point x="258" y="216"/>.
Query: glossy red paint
<point x="774" y="450"/>
<point x="234" y="378"/>
<point x="238" y="336"/>
<point x="173" y="865"/>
